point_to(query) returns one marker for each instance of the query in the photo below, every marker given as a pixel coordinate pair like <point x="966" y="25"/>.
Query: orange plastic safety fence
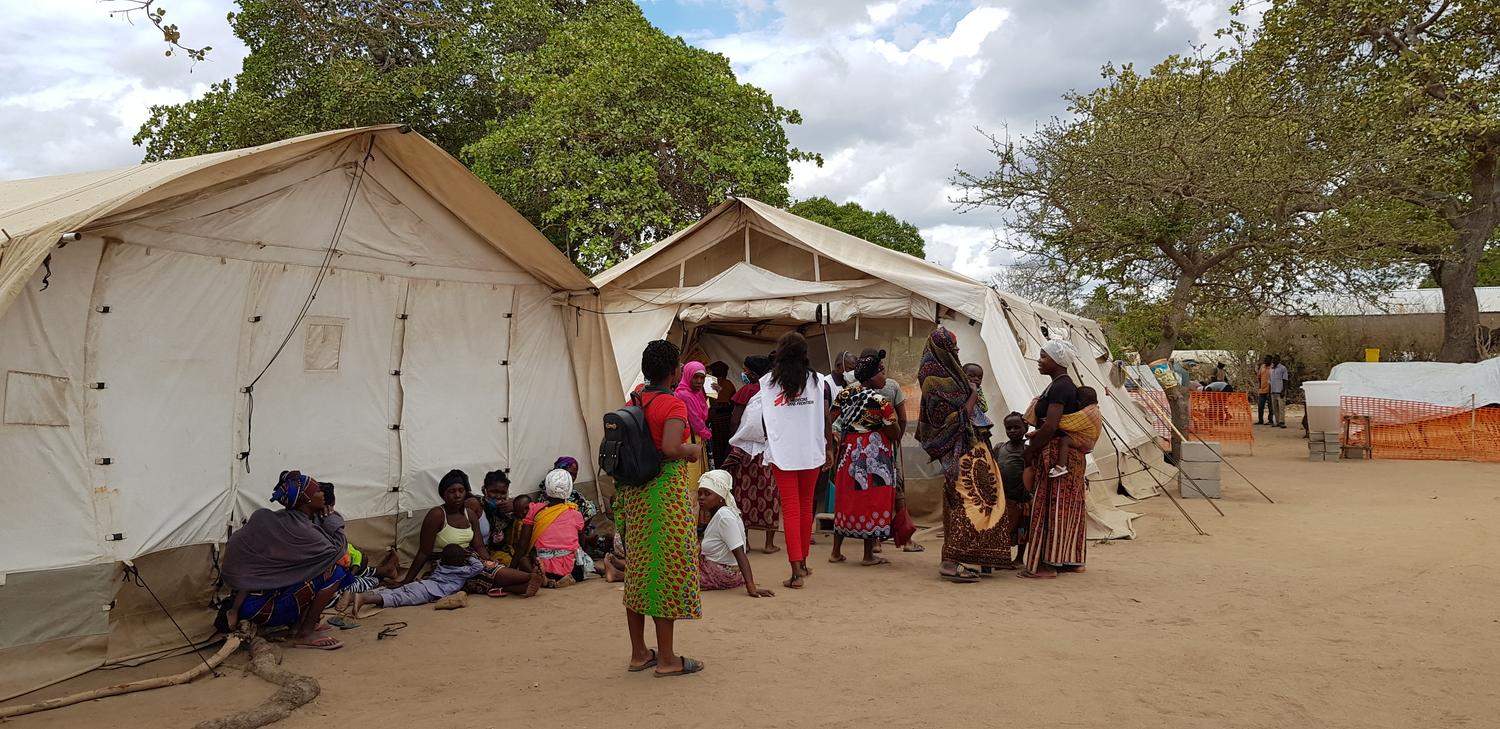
<point x="1222" y="416"/>
<point x="1406" y="430"/>
<point x="1216" y="416"/>
<point x="1153" y="404"/>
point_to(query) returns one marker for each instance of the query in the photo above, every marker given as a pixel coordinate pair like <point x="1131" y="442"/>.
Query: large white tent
<point x="729" y="284"/>
<point x="131" y="432"/>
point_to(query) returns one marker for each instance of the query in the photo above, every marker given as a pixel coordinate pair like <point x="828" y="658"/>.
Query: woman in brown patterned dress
<point x="976" y="524"/>
<point x="754" y="484"/>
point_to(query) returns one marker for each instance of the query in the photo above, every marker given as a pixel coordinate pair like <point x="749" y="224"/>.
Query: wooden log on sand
<point x="229" y="647"/>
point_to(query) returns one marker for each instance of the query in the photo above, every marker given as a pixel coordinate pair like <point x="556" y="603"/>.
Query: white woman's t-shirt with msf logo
<point x="796" y="430"/>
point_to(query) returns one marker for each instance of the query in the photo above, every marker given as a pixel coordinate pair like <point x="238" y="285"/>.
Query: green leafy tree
<point x="1191" y="188"/>
<point x="878" y="227"/>
<point x="1411" y="91"/>
<point x="626" y="135"/>
<point x="603" y="131"/>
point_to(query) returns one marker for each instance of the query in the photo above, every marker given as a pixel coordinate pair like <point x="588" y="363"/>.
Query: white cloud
<point x="76" y="84"/>
<point x="892" y="91"/>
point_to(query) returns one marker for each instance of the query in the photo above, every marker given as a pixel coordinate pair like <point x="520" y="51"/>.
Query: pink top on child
<point x="557" y="547"/>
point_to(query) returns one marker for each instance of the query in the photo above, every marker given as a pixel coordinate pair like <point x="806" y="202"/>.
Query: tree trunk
<point x="1457" y="275"/>
<point x="1171" y="328"/>
<point x="1172" y="318"/>
<point x="1460" y="312"/>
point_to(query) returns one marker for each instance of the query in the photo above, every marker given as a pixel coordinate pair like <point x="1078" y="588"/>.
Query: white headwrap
<point x="721" y="483"/>
<point x="1061" y="352"/>
<point x="559" y="484"/>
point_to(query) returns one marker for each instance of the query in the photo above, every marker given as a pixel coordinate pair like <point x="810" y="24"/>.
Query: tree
<point x="1190" y="188"/>
<point x="626" y="135"/>
<point x="604" y="132"/>
<point x="879" y="227"/>
<point x="1413" y="91"/>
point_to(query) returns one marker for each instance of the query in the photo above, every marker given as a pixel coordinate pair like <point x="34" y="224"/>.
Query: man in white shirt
<point x="1279" y="377"/>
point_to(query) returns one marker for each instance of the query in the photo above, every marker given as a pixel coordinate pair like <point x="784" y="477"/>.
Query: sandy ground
<point x="1365" y="597"/>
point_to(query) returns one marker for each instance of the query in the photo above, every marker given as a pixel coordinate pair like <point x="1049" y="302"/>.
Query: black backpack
<point x="627" y="452"/>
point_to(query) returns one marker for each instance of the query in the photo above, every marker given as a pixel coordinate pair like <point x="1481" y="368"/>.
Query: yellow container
<point x="1372" y="354"/>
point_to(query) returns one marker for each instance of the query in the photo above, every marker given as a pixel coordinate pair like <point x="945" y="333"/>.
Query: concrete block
<point x="1198" y="488"/>
<point x="1206" y="452"/>
<point x="1208" y="470"/>
<point x="1316" y="456"/>
<point x="1353" y="453"/>
<point x="1315" y="437"/>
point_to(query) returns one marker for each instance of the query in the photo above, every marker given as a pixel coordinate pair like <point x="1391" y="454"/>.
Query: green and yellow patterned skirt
<point x="661" y="544"/>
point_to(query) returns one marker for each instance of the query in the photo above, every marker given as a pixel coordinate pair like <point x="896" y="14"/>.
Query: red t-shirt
<point x="742" y="396"/>
<point x="661" y="407"/>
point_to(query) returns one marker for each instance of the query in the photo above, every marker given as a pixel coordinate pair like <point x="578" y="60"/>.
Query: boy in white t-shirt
<point x="722" y="563"/>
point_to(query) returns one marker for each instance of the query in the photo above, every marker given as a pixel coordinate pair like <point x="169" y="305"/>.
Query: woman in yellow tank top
<point x="450" y="523"/>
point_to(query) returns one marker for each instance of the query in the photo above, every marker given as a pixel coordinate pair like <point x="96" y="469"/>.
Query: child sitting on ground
<point x="1076" y="430"/>
<point x="722" y="564"/>
<point x="366" y="576"/>
<point x="455" y="566"/>
<point x="983" y="426"/>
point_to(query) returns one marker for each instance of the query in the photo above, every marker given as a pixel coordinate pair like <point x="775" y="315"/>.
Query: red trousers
<point x="796" y="488"/>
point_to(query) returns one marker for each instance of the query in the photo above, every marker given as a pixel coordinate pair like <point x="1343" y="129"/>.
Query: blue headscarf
<point x="565" y="461"/>
<point x="291" y="487"/>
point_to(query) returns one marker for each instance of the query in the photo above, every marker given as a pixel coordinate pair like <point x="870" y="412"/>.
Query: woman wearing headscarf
<point x="690" y="392"/>
<point x="585" y="507"/>
<point x="976" y="524"/>
<point x="455" y="521"/>
<point x="865" y="475"/>
<point x="1055" y="535"/>
<point x="284" y="566"/>
<point x="754" y="483"/>
<point x="722" y="563"/>
<point x="551" y="531"/>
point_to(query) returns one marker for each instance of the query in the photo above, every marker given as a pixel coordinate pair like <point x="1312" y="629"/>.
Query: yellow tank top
<point x="450" y="534"/>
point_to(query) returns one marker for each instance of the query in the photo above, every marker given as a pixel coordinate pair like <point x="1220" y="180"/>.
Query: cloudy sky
<point x="892" y="92"/>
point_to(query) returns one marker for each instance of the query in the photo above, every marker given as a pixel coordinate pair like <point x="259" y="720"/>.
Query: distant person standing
<point x="1263" y="394"/>
<point x="1221" y="374"/>
<point x="1278" y="380"/>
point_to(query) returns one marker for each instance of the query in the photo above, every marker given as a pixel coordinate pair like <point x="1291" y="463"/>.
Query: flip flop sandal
<point x="321" y="643"/>
<point x="959" y="578"/>
<point x="389" y="630"/>
<point x="689" y="665"/>
<point x="496" y="592"/>
<point x="650" y="663"/>
<point x="341" y="623"/>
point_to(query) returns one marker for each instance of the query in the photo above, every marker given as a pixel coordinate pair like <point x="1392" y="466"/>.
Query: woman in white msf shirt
<point x="796" y="409"/>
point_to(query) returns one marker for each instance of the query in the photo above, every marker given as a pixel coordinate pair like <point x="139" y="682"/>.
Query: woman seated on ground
<point x="552" y="529"/>
<point x="284" y="565"/>
<point x="585" y="507"/>
<point x="496" y="517"/>
<point x="451" y="523"/>
<point x="455" y="567"/>
<point x="722" y="563"/>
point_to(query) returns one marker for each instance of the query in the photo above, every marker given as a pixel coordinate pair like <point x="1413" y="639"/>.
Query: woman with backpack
<point x="796" y="408"/>
<point x="659" y="523"/>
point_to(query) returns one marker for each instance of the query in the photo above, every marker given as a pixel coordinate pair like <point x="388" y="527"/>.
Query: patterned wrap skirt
<point x="715" y="576"/>
<point x="754" y="490"/>
<point x="1059" y="515"/>
<point x="977" y="524"/>
<point x="661" y="539"/>
<point x="864" y="513"/>
<point x="286" y="606"/>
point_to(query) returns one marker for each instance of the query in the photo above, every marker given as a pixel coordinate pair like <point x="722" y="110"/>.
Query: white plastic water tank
<point x="1323" y="405"/>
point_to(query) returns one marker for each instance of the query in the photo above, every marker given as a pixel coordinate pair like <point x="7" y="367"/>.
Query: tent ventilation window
<point x="322" y="344"/>
<point x="35" y="399"/>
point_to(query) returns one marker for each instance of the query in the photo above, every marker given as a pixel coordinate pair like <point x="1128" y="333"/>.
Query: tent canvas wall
<point x="127" y="434"/>
<point x="732" y="282"/>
